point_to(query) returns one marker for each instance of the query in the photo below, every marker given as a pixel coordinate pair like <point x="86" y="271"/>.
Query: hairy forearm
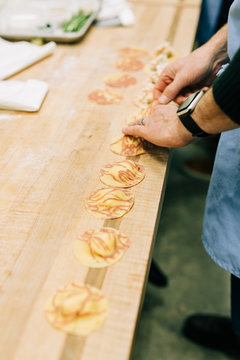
<point x="192" y="72"/>
<point x="216" y="47"/>
<point x="219" y="108"/>
<point x="209" y="116"/>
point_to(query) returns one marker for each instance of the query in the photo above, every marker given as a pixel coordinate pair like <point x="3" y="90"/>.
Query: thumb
<point x="172" y="90"/>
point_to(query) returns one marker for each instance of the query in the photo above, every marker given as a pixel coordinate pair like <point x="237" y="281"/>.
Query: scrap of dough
<point x="100" y="247"/>
<point x="145" y="97"/>
<point x="76" y="309"/>
<point x="120" y="80"/>
<point x="127" y="145"/>
<point x="109" y="203"/>
<point x="122" y="174"/>
<point x="105" y="97"/>
<point x="166" y="49"/>
<point x="129" y="64"/>
<point x="144" y="112"/>
<point x="162" y="56"/>
<point x="132" y="52"/>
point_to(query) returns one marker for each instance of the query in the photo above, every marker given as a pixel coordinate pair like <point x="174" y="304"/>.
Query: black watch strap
<point x="192" y="126"/>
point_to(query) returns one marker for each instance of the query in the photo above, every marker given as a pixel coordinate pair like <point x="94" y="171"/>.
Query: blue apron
<point x="221" y="226"/>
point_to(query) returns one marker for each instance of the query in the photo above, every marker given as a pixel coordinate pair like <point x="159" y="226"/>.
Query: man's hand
<point x="194" y="72"/>
<point x="162" y="128"/>
<point x="182" y="78"/>
<point x="177" y="81"/>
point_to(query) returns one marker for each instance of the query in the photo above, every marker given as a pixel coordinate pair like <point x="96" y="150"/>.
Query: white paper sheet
<point x="115" y="12"/>
<point x="16" y="56"/>
<point x="23" y="96"/>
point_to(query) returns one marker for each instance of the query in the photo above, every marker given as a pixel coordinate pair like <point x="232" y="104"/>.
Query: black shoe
<point x="212" y="331"/>
<point x="156" y="276"/>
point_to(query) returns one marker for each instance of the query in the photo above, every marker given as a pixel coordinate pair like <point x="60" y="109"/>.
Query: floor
<point x="196" y="283"/>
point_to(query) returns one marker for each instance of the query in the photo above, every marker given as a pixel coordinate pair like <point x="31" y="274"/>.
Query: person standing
<point x="214" y="108"/>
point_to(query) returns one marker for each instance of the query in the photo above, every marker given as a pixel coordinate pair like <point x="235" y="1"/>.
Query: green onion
<point x="76" y="22"/>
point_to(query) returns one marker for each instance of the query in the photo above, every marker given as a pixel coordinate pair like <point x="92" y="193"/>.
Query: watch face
<point x="187" y="102"/>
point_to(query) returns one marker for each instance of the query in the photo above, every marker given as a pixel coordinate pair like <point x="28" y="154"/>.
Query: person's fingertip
<point x="134" y="130"/>
<point x="163" y="99"/>
<point x="129" y="130"/>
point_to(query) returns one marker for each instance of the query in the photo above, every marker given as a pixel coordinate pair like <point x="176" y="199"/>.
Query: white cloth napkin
<point x="16" y="56"/>
<point x="115" y="12"/>
<point x="23" y="96"/>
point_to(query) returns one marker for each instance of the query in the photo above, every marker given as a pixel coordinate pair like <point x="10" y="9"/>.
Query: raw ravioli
<point x="122" y="174"/>
<point x="127" y="145"/>
<point x="132" y="52"/>
<point x="76" y="309"/>
<point x="100" y="247"/>
<point x="120" y="80"/>
<point x="129" y="64"/>
<point x="109" y="203"/>
<point x="105" y="97"/>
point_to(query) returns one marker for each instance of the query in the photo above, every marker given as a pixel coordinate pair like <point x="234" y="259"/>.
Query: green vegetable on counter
<point x="76" y="22"/>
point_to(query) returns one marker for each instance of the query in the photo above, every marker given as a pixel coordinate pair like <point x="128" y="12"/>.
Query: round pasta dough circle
<point x="76" y="309"/>
<point x="120" y="80"/>
<point x="127" y="145"/>
<point x="132" y="52"/>
<point x="105" y="97"/>
<point x="100" y="247"/>
<point x="122" y="174"/>
<point x="109" y="203"/>
<point x="129" y="64"/>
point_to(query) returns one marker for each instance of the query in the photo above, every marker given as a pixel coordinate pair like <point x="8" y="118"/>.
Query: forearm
<point x="216" y="47"/>
<point x="163" y="127"/>
<point x="209" y="116"/>
<point x="193" y="72"/>
<point x="219" y="108"/>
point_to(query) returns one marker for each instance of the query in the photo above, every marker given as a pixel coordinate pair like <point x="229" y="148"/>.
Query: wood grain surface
<point x="49" y="163"/>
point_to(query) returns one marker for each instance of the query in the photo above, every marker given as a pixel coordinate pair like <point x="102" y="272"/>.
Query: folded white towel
<point x="23" y="96"/>
<point x="115" y="12"/>
<point x="16" y="56"/>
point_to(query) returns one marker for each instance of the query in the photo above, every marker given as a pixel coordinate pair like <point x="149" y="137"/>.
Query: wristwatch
<point x="184" y="113"/>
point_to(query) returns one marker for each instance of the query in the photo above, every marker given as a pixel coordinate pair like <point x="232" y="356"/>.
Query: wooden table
<point x="49" y="163"/>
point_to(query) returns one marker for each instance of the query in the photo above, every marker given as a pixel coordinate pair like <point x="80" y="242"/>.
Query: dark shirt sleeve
<point x="226" y="89"/>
